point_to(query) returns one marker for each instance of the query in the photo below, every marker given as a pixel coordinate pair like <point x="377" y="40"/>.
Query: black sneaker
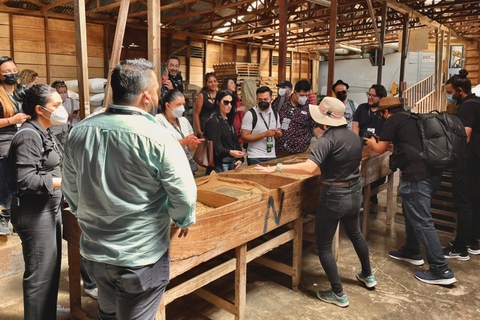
<point x="416" y="259"/>
<point x="452" y="253"/>
<point x="474" y="249"/>
<point x="4" y="230"/>
<point x="445" y="279"/>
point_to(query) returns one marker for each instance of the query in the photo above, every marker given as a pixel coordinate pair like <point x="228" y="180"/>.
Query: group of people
<point x="127" y="173"/>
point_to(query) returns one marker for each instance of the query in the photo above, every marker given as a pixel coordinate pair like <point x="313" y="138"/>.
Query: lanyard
<point x="179" y="129"/>
<point x="269" y="120"/>
<point x="232" y="129"/>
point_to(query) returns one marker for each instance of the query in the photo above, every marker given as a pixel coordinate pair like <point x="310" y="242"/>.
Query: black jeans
<point x="40" y="232"/>
<point x="340" y="204"/>
<point x="126" y="293"/>
<point x="466" y="200"/>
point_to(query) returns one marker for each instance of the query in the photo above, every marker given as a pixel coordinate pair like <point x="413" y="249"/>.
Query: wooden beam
<point x="82" y="56"/>
<point x="117" y="47"/>
<point x="188" y="60"/>
<point x="270" y="64"/>
<point x="47" y="47"/>
<point x="282" y="41"/>
<point x="403" y="58"/>
<point x="333" y="39"/>
<point x="12" y="46"/>
<point x="374" y="21"/>
<point x="221" y="53"/>
<point x="241" y="281"/>
<point x="449" y="41"/>
<point x="205" y="46"/>
<point x="154" y="36"/>
<point x="37" y="3"/>
<point x="382" y="42"/>
<point x="438" y="75"/>
<point x="55" y="4"/>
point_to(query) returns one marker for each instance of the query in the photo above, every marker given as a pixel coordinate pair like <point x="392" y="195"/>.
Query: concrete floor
<point x="398" y="294"/>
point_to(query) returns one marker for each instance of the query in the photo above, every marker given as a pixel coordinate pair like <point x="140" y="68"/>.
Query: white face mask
<point x="178" y="112"/>
<point x="281" y="92"/>
<point x="58" y="117"/>
<point x="302" y="100"/>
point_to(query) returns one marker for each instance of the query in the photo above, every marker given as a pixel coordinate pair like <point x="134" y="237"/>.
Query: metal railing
<point x="419" y="91"/>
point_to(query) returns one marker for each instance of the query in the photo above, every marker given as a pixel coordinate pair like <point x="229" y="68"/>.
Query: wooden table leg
<point x="391" y="207"/>
<point x="297" y="253"/>
<point x="74" y="279"/>
<point x="366" y="209"/>
<point x="336" y="242"/>
<point x="241" y="281"/>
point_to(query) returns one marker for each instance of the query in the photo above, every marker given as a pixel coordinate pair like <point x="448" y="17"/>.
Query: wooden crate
<point x="240" y="69"/>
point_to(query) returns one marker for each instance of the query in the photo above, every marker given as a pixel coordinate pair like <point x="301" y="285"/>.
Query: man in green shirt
<point x="125" y="178"/>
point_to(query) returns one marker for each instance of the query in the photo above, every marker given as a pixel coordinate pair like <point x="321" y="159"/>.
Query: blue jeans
<point x="340" y="203"/>
<point x="252" y="161"/>
<point x="416" y="200"/>
<point x="129" y="293"/>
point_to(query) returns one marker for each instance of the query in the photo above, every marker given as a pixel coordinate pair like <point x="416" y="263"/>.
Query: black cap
<point x="339" y="82"/>
<point x="285" y="84"/>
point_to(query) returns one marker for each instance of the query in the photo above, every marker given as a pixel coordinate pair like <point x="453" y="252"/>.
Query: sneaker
<point x="452" y="253"/>
<point x="4" y="230"/>
<point x="93" y="293"/>
<point x="369" y="281"/>
<point x="63" y="313"/>
<point x="415" y="259"/>
<point x="331" y="297"/>
<point x="475" y="249"/>
<point x="429" y="277"/>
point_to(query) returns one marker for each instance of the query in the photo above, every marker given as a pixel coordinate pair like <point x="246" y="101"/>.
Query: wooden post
<point x="282" y="42"/>
<point x="205" y="45"/>
<point x="260" y="50"/>
<point x="437" y="59"/>
<point x="154" y="39"/>
<point x="404" y="53"/>
<point x="291" y="69"/>
<point x="241" y="281"/>
<point x="297" y="253"/>
<point x="270" y="68"/>
<point x="235" y="53"/>
<point x="117" y="47"/>
<point x="82" y="57"/>
<point x="300" y="67"/>
<point x="188" y="62"/>
<point x="106" y="47"/>
<point x="12" y="47"/>
<point x="221" y="52"/>
<point x="47" y="48"/>
<point x="438" y="79"/>
<point x="169" y="44"/>
<point x="449" y="40"/>
<point x="391" y="206"/>
<point x="333" y="40"/>
<point x="382" y="42"/>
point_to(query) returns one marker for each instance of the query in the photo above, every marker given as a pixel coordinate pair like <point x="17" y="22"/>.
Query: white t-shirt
<point x="185" y="126"/>
<point x="258" y="149"/>
<point x="349" y="112"/>
<point x="72" y="106"/>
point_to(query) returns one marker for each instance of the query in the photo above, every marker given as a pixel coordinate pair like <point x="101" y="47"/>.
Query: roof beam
<point x="55" y="4"/>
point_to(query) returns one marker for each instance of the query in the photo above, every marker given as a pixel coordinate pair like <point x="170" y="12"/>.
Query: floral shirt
<point x="297" y="127"/>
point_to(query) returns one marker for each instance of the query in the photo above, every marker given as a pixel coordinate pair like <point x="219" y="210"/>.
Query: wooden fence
<point x="419" y="91"/>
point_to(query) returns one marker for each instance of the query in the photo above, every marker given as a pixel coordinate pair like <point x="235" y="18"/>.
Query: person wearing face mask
<point x="219" y="128"/>
<point x="340" y="89"/>
<point x="10" y="118"/>
<point x="260" y="128"/>
<point x="35" y="156"/>
<point x="466" y="180"/>
<point x="284" y="90"/>
<point x="172" y="118"/>
<point x="297" y="126"/>
<point x="126" y="178"/>
<point x="72" y="107"/>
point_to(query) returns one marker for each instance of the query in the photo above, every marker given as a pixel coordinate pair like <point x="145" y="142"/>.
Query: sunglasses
<point x="226" y="102"/>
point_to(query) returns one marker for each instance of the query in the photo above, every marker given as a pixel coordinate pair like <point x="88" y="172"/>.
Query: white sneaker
<point x="93" y="293"/>
<point x="63" y="313"/>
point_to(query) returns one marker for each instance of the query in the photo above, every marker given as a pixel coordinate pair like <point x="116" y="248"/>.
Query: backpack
<point x="254" y="122"/>
<point x="444" y="140"/>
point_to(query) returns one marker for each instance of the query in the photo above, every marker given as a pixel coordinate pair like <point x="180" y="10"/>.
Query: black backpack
<point x="444" y="140"/>
<point x="255" y="119"/>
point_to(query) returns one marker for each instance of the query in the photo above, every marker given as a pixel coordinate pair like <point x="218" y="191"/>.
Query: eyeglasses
<point x="226" y="102"/>
<point x="340" y="92"/>
<point x="369" y="95"/>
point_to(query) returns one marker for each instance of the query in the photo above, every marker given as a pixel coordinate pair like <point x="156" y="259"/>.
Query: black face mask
<point x="263" y="105"/>
<point x="341" y="96"/>
<point x="11" y="78"/>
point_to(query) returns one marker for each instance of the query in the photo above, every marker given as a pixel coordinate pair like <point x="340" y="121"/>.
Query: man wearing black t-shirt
<point x="466" y="180"/>
<point x="419" y="183"/>
<point x="174" y="78"/>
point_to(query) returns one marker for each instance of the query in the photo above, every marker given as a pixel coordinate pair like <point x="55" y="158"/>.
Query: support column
<point x="241" y="281"/>
<point x="449" y="40"/>
<point x="117" y="47"/>
<point x="404" y="54"/>
<point x="383" y="29"/>
<point x="82" y="57"/>
<point x="282" y="42"/>
<point x="154" y="36"/>
<point x="333" y="40"/>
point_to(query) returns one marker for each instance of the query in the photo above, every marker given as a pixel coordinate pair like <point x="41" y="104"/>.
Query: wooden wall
<point x="48" y="46"/>
<point x="472" y="62"/>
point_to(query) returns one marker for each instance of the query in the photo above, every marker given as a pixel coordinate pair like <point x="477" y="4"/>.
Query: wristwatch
<point x="279" y="167"/>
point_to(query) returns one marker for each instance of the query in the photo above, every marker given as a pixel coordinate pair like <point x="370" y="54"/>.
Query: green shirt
<point x="124" y="176"/>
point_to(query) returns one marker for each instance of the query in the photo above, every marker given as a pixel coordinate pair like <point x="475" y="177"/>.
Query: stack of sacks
<point x="95" y="88"/>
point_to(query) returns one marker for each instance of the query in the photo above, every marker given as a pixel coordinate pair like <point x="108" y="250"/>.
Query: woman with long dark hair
<point x="204" y="105"/>
<point x="229" y="84"/>
<point x="220" y="129"/>
<point x="10" y="117"/>
<point x="34" y="159"/>
<point x="173" y="107"/>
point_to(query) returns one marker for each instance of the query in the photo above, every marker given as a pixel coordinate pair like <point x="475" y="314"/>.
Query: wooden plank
<point x="40" y="69"/>
<point x="241" y="281"/>
<point x="95" y="72"/>
<point x="62" y="60"/>
<point x="332" y="46"/>
<point x="29" y="46"/>
<point x="82" y="57"/>
<point x="94" y="29"/>
<point x="282" y="54"/>
<point x="267" y="246"/>
<point x="64" y="71"/>
<point x="219" y="302"/>
<point x="61" y="25"/>
<point x="297" y="253"/>
<point x="154" y="35"/>
<point x="24" y="33"/>
<point x="47" y="47"/>
<point x="64" y="37"/>
<point x="5" y="45"/>
<point x="4" y="52"/>
<point x="4" y="31"/>
<point x="30" y="58"/>
<point x="275" y="265"/>
<point x="117" y="47"/>
<point x="4" y="19"/>
<point x="29" y="22"/>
